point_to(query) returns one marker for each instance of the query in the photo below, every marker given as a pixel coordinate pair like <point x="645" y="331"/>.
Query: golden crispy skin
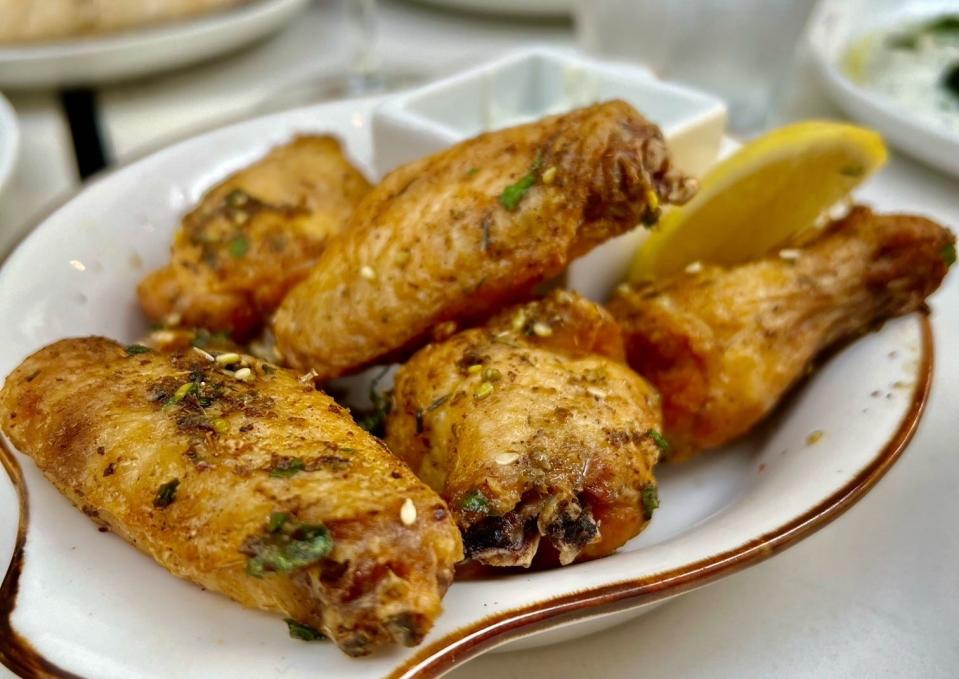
<point x="199" y="470"/>
<point x="724" y="345"/>
<point x="453" y="237"/>
<point x="253" y="237"/>
<point x="531" y="427"/>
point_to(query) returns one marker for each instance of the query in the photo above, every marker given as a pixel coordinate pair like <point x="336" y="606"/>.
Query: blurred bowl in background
<point x="836" y="27"/>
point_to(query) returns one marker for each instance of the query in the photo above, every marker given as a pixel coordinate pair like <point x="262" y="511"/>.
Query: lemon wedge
<point x="761" y="196"/>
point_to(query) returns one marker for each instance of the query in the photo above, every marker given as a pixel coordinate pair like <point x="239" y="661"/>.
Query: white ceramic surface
<point x="143" y="51"/>
<point x="95" y="606"/>
<point x="9" y="141"/>
<point x="524" y="8"/>
<point x="531" y="83"/>
<point x="835" y="26"/>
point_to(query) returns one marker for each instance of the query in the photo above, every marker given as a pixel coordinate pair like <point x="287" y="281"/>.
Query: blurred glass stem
<point x="365" y="75"/>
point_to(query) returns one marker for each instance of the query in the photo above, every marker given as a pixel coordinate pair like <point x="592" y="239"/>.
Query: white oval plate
<point x="9" y="141"/>
<point x="835" y="26"/>
<point x="138" y="52"/>
<point x="90" y="604"/>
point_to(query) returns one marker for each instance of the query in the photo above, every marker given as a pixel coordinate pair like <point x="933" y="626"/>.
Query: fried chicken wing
<point x="535" y="431"/>
<point x="241" y="479"/>
<point x="253" y="237"/>
<point x="455" y="236"/>
<point x="724" y="345"/>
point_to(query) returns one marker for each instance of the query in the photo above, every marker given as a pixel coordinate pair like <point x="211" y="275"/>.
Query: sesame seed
<point x="172" y="319"/>
<point x="814" y="437"/>
<point x="308" y="377"/>
<point x="506" y="458"/>
<point x="789" y="253"/>
<point x="183" y="391"/>
<point x="624" y="288"/>
<point x="483" y="390"/>
<point x="652" y="200"/>
<point x="162" y="336"/>
<point x="541" y="329"/>
<point x="221" y="425"/>
<point x="519" y="320"/>
<point x="694" y="267"/>
<point x="244" y="375"/>
<point x="549" y="175"/>
<point x="408" y="512"/>
<point x="240" y="216"/>
<point x="204" y="354"/>
<point x="492" y="374"/>
<point x="367" y="272"/>
<point x="227" y="358"/>
<point x="402" y="258"/>
<point x="598" y="393"/>
<point x="475" y="368"/>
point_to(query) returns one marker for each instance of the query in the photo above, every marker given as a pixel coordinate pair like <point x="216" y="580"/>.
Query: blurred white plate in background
<point x="138" y="52"/>
<point x="530" y="8"/>
<point x="9" y="141"/>
<point x="835" y="27"/>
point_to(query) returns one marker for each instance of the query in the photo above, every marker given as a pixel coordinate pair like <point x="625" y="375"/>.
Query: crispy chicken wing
<point x="253" y="237"/>
<point x="723" y="345"/>
<point x="535" y="431"/>
<point x="241" y="479"/>
<point x="455" y="236"/>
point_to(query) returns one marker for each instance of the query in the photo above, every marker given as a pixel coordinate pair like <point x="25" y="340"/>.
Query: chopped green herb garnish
<point x="472" y="171"/>
<point x="166" y="494"/>
<point x="238" y="246"/>
<point x="134" y="349"/>
<point x="204" y="338"/>
<point x="287" y="467"/>
<point x="303" y="632"/>
<point x="659" y="440"/>
<point x="944" y="24"/>
<point x="382" y="402"/>
<point x="291" y="547"/>
<point x="950" y="79"/>
<point x="277" y="521"/>
<point x="475" y="501"/>
<point x="949" y="254"/>
<point x="437" y="403"/>
<point x="514" y="193"/>
<point x="903" y="41"/>
<point x="650" y="496"/>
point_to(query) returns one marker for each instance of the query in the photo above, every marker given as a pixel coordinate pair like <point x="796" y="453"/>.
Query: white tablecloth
<point x="874" y="594"/>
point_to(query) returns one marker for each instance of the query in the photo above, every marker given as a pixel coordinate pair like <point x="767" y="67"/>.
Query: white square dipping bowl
<point x="536" y="82"/>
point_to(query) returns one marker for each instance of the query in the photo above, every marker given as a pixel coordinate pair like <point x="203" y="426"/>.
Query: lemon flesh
<point x="771" y="189"/>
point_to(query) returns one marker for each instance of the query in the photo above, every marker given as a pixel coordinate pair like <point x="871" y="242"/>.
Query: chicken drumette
<point x="724" y="344"/>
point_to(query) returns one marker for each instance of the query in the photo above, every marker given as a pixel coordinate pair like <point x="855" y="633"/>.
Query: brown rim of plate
<point x="457" y="647"/>
<point x="454" y="649"/>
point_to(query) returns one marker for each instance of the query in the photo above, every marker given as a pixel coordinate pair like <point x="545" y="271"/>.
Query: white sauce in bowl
<point x="910" y="65"/>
